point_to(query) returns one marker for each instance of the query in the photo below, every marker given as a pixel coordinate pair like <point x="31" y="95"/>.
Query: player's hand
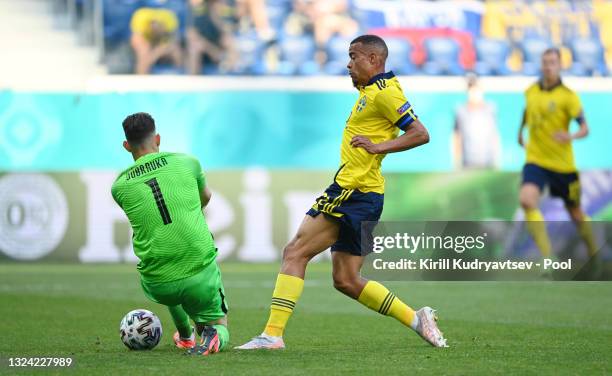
<point x="520" y="139"/>
<point x="364" y="142"/>
<point x="562" y="137"/>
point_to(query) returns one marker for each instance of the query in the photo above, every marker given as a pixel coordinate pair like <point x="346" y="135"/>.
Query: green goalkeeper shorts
<point x="202" y="295"/>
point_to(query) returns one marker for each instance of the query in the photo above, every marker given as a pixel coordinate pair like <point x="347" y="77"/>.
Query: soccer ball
<point x="140" y="330"/>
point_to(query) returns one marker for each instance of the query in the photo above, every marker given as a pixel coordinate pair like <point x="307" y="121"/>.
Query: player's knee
<point x="528" y="202"/>
<point x="345" y="284"/>
<point x="293" y="255"/>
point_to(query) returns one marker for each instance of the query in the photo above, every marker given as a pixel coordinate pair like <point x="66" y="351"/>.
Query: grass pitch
<point x="493" y="328"/>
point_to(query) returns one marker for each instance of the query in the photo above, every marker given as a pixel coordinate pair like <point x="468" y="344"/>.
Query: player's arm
<point x="198" y="173"/>
<point x="574" y="109"/>
<point x="205" y="195"/>
<point x="583" y="131"/>
<point x="456" y="142"/>
<point x="520" y="134"/>
<point x="415" y="135"/>
<point x="394" y="107"/>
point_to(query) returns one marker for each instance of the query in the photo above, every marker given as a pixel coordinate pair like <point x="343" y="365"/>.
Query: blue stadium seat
<point x="297" y="56"/>
<point x="442" y="57"/>
<point x="250" y="51"/>
<point x="399" y="60"/>
<point x="491" y="57"/>
<point x="588" y="55"/>
<point x="337" y="55"/>
<point x="278" y="10"/>
<point x="532" y="49"/>
<point x="117" y="15"/>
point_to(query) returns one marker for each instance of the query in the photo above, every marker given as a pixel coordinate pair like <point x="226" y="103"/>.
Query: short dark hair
<point x="552" y="50"/>
<point x="138" y="127"/>
<point x="372" y="40"/>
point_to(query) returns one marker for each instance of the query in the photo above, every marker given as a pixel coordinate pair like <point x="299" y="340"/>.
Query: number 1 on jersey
<point x="159" y="200"/>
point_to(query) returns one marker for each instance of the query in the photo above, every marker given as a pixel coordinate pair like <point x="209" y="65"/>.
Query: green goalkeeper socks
<point x="223" y="334"/>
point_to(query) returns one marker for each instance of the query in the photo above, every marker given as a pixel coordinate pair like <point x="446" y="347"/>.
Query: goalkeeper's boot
<point x="209" y="343"/>
<point x="263" y="341"/>
<point x="184" y="343"/>
<point x="427" y="327"/>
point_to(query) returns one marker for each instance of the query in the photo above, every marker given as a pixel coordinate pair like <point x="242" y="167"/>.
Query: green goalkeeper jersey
<point x="160" y="194"/>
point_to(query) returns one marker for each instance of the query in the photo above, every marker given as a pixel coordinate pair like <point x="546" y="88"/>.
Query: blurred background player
<point x="355" y="196"/>
<point x="476" y="140"/>
<point x="550" y="108"/>
<point x="154" y="38"/>
<point x="163" y="195"/>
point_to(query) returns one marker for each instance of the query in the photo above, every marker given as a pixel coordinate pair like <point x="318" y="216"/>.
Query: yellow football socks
<point x="376" y="297"/>
<point x="286" y="293"/>
<point x="537" y="228"/>
<point x="586" y="232"/>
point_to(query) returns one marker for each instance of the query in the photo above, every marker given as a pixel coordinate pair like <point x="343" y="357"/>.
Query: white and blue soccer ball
<point x="140" y="329"/>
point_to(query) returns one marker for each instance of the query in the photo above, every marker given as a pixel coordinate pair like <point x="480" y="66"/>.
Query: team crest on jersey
<point x="552" y="106"/>
<point x="404" y="108"/>
<point x="362" y="103"/>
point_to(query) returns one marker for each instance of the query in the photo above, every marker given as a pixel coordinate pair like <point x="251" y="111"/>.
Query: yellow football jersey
<point x="548" y="112"/>
<point x="142" y="18"/>
<point x="379" y="113"/>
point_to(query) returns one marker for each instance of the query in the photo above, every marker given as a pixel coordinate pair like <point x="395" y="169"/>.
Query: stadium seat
<point x="337" y="55"/>
<point x="297" y="56"/>
<point x="442" y="57"/>
<point x="588" y="56"/>
<point x="278" y="11"/>
<point x="491" y="57"/>
<point x="250" y="49"/>
<point x="117" y="15"/>
<point x="399" y="60"/>
<point x="532" y="49"/>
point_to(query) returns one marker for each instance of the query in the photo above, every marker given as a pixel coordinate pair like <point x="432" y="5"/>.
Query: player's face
<point x="360" y="64"/>
<point x="551" y="66"/>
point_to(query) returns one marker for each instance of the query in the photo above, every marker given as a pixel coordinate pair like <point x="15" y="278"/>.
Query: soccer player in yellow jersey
<point x="356" y="195"/>
<point x="550" y="108"/>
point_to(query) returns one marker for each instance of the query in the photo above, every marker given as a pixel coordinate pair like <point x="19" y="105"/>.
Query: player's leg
<point x="584" y="227"/>
<point x="567" y="187"/>
<point x="204" y="301"/>
<point x="184" y="336"/>
<point x="214" y="336"/>
<point x="534" y="179"/>
<point x="375" y="296"/>
<point x="168" y="294"/>
<point x="314" y="235"/>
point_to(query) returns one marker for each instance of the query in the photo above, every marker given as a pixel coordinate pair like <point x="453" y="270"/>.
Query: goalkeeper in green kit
<point x="163" y="195"/>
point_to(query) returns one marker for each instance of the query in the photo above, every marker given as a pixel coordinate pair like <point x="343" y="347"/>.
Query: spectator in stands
<point x="255" y="11"/>
<point x="209" y="36"/>
<point x="154" y="38"/>
<point x="324" y="19"/>
<point x="476" y="141"/>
